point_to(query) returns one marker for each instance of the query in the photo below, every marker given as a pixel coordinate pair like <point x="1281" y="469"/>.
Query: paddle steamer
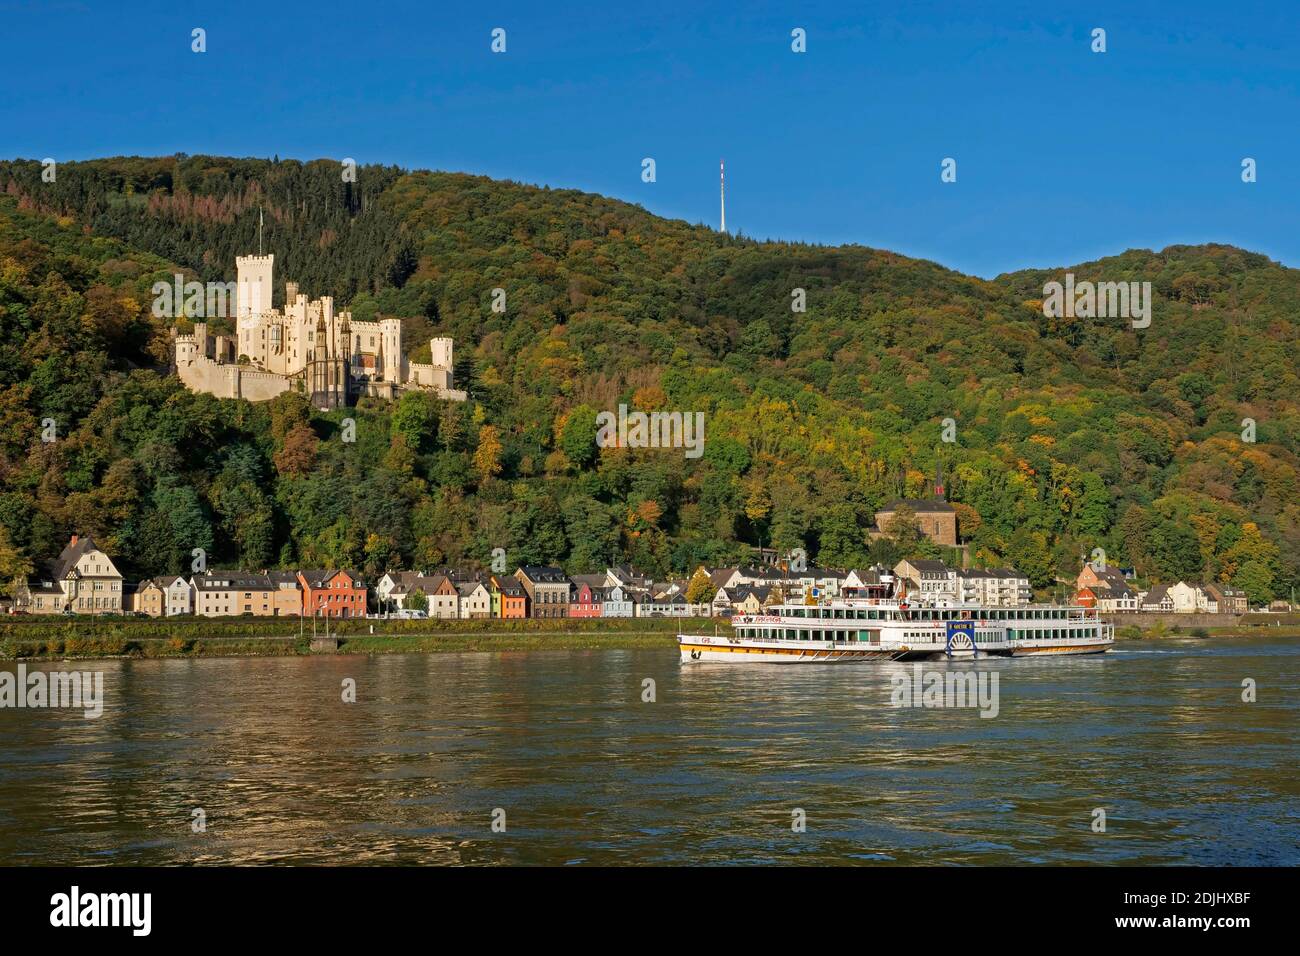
<point x="878" y="625"/>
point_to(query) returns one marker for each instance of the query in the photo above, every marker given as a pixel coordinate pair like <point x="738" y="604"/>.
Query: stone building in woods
<point x="936" y="518"/>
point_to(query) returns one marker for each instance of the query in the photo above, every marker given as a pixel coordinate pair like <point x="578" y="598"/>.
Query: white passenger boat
<point x="878" y="627"/>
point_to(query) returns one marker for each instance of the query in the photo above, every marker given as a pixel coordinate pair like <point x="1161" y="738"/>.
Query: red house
<point x="332" y="594"/>
<point x="1085" y="597"/>
<point x="588" y="597"/>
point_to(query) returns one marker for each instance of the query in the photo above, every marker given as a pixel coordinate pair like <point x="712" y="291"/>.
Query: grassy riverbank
<point x="58" y="638"/>
<point x="1161" y="631"/>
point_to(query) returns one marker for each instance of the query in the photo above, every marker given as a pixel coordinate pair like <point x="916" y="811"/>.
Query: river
<point x="563" y="752"/>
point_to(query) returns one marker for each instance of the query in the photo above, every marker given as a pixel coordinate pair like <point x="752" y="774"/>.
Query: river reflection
<point x="710" y="772"/>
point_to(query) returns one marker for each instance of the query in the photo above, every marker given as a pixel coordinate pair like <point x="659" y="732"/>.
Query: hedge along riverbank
<point x="204" y="637"/>
<point x="50" y="626"/>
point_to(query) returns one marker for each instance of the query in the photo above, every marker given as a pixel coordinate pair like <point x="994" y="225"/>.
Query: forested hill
<point x="1070" y="434"/>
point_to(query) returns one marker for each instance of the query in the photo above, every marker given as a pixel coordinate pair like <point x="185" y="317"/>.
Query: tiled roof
<point x="67" y="560"/>
<point x="721" y="576"/>
<point x="921" y="505"/>
<point x="929" y="566"/>
<point x="544" y="574"/>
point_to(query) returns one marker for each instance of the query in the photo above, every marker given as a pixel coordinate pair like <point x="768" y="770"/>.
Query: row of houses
<point x="749" y="590"/>
<point x="1109" y="589"/>
<point x="534" y="591"/>
<point x="992" y="587"/>
<point x="84" y="580"/>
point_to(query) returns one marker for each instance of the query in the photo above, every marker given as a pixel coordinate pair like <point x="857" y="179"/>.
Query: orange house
<point x="332" y="594"/>
<point x="1085" y="597"/>
<point x="512" y="598"/>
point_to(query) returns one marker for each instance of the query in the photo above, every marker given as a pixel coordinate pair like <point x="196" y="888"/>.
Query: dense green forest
<point x="1070" y="434"/>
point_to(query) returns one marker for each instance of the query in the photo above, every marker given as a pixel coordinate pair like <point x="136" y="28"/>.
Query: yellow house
<point x="149" y="598"/>
<point x="236" y="593"/>
<point x="752" y="600"/>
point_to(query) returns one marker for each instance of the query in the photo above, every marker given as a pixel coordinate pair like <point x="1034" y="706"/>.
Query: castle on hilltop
<point x="308" y="348"/>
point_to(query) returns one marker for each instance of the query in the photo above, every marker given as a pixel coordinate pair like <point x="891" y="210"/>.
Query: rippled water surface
<point x="1156" y="733"/>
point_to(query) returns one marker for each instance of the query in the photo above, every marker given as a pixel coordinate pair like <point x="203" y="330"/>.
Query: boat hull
<point x="716" y="650"/>
<point x="1100" y="647"/>
<point x="726" y="652"/>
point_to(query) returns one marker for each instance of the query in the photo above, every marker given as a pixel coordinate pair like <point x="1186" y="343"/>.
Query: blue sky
<point x="1063" y="155"/>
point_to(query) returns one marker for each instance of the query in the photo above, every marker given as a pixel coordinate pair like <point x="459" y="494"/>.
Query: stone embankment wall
<point x="1183" y="620"/>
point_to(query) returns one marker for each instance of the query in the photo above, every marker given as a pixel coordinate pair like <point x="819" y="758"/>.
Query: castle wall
<point x="428" y="376"/>
<point x="231" y="381"/>
<point x="258" y="386"/>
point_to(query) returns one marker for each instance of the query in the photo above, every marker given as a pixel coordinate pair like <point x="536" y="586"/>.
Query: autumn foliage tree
<point x="298" y="456"/>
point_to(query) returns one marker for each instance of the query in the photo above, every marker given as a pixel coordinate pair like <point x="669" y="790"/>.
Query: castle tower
<point x="345" y="354"/>
<point x="327" y="374"/>
<point x="318" y="369"/>
<point x="440" y="349"/>
<point x="253" y="292"/>
<point x="394" y="365"/>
